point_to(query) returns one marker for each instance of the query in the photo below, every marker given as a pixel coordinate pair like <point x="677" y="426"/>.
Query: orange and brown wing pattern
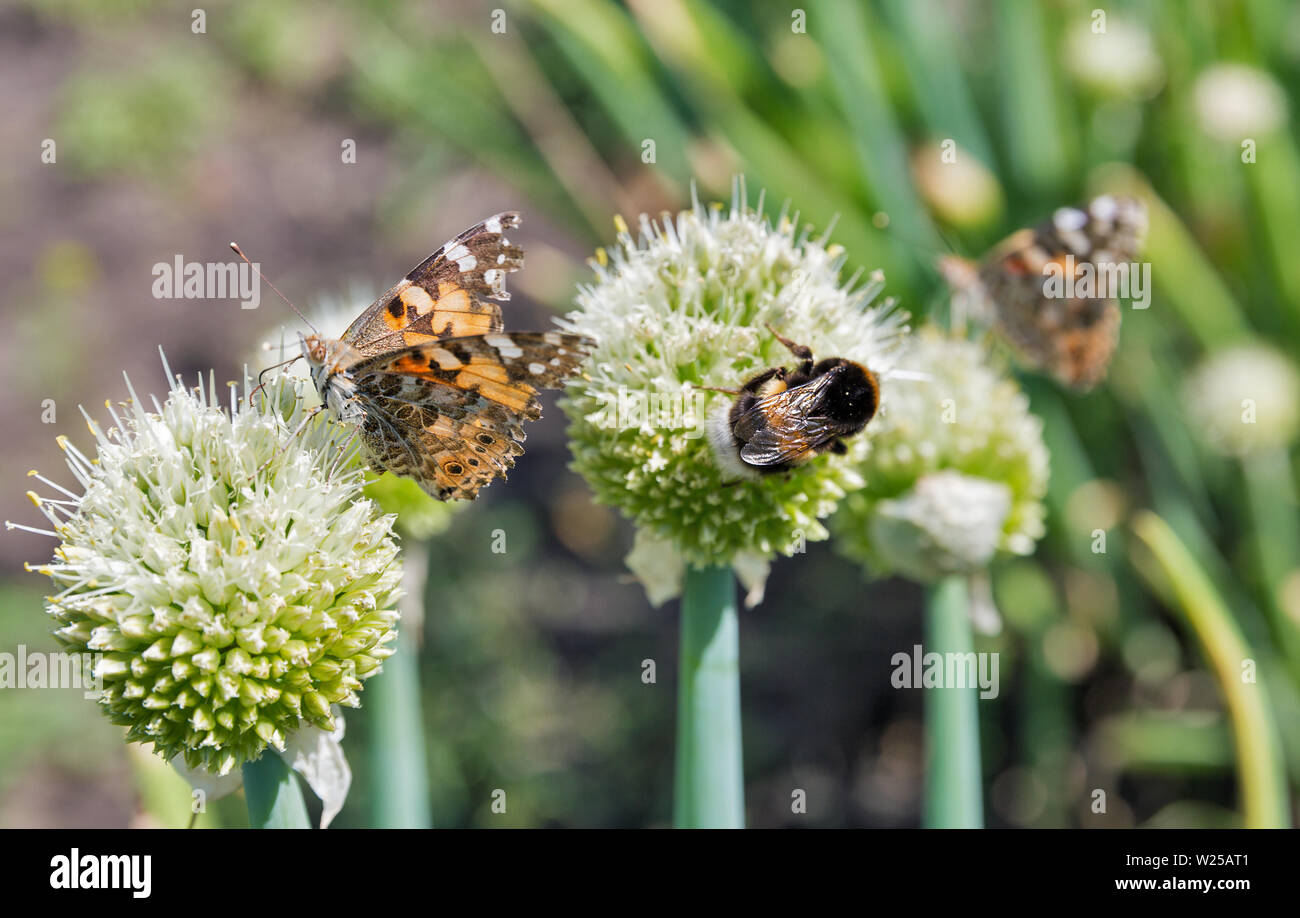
<point x="1073" y="338"/>
<point x="451" y="452"/>
<point x="451" y="294"/>
<point x="450" y="414"/>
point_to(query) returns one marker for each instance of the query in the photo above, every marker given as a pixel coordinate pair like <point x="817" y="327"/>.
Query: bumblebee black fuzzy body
<point x="781" y="418"/>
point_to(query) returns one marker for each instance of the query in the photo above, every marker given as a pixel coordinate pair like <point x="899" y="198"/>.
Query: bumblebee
<point x="781" y="418"/>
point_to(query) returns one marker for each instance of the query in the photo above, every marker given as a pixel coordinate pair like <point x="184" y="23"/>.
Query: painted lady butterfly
<point x="436" y="387"/>
<point x="1072" y="338"/>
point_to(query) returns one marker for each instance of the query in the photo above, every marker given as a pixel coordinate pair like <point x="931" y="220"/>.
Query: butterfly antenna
<point x="240" y="253"/>
<point x="948" y="239"/>
<point x="925" y="247"/>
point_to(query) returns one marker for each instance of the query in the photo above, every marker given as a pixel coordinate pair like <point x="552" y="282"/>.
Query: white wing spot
<point x="492" y="224"/>
<point x="1069" y="218"/>
<point x="536" y="369"/>
<point x="461" y="255"/>
<point x="1104" y="208"/>
<point x="505" y="344"/>
<point x="1078" y="241"/>
<point x="445" y="358"/>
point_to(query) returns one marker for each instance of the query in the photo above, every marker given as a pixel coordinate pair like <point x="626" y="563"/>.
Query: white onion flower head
<point x="1120" y="62"/>
<point x="1236" y="101"/>
<point x="960" y="190"/>
<point x="1244" y="399"/>
<point x="683" y="307"/>
<point x="957" y="470"/>
<point x="231" y="574"/>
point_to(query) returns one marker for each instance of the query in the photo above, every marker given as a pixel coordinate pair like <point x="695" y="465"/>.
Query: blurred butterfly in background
<point x="435" y="386"/>
<point x="781" y="418"/>
<point x="1070" y="337"/>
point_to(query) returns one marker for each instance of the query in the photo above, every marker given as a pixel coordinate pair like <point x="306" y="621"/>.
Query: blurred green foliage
<point x="151" y="117"/>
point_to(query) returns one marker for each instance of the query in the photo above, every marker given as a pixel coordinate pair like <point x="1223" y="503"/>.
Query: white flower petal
<point x="658" y="565"/>
<point x="317" y="755"/>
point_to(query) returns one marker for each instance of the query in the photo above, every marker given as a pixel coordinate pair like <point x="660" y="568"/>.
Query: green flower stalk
<point x="227" y="567"/>
<point x="686" y="307"/>
<point x="953" y="792"/>
<point x="1261" y="768"/>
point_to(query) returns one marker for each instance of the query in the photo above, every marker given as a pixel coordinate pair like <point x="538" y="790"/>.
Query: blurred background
<point x="170" y="141"/>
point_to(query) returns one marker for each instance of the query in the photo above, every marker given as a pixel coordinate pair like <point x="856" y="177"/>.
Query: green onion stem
<point x="953" y="788"/>
<point x="710" y="787"/>
<point x="273" y="794"/>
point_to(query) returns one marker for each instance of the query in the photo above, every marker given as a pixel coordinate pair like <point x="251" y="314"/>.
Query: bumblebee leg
<point x="838" y="448"/>
<point x="754" y="383"/>
<point x="802" y="351"/>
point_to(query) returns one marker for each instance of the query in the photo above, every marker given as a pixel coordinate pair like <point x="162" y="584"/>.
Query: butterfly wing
<point x="450" y="294"/>
<point x="785" y="427"/>
<point x="1073" y="338"/>
<point x="450" y="413"/>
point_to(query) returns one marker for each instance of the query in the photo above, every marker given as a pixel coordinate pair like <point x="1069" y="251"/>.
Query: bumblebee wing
<point x="786" y="426"/>
<point x="789" y="442"/>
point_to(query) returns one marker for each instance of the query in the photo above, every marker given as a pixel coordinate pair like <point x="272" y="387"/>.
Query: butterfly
<point x="781" y="418"/>
<point x="436" y="388"/>
<point x="1071" y="337"/>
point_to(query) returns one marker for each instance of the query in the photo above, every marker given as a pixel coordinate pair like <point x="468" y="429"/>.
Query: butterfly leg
<point x="261" y="385"/>
<point x="300" y="428"/>
<point x="345" y="454"/>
